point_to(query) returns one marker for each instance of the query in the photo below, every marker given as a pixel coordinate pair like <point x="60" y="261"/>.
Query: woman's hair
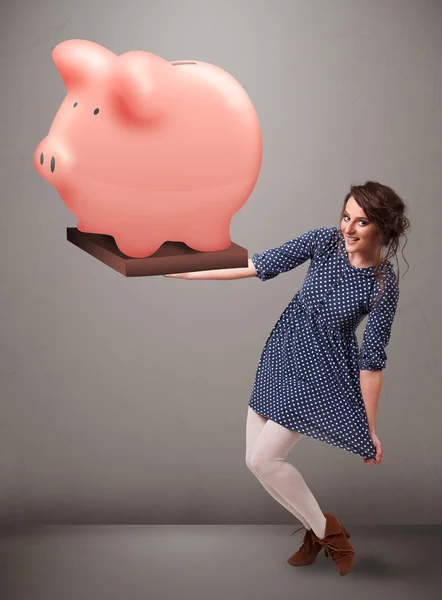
<point x="385" y="209"/>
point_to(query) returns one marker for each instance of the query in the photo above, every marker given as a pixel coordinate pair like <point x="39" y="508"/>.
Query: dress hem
<point x="302" y="430"/>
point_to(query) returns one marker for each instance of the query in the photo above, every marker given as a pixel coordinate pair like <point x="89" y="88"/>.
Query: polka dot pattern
<point x="308" y="374"/>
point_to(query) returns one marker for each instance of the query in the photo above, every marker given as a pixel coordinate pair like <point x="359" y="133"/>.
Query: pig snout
<point x="50" y="160"/>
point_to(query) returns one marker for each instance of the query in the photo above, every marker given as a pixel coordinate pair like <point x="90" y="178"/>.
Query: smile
<point x="351" y="240"/>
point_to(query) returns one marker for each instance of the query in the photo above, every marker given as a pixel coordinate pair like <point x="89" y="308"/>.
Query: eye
<point x="363" y="222"/>
<point x="96" y="111"/>
<point x="75" y="104"/>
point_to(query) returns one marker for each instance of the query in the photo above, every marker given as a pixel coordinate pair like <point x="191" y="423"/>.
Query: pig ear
<point x="143" y="84"/>
<point x="81" y="60"/>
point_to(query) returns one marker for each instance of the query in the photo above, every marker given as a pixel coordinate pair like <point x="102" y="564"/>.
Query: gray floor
<point x="212" y="562"/>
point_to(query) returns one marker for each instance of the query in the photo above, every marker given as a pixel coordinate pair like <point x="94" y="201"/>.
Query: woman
<point x="312" y="379"/>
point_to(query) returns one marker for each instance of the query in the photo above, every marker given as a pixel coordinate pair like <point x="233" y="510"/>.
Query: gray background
<point x="124" y="400"/>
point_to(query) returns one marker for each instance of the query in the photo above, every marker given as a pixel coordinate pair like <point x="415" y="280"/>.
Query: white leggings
<point x="268" y="444"/>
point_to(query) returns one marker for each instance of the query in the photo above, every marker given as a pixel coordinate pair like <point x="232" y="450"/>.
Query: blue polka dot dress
<point x="308" y="374"/>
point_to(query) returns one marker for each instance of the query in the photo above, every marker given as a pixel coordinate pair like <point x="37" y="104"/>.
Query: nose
<point x="48" y="159"/>
<point x="42" y="159"/>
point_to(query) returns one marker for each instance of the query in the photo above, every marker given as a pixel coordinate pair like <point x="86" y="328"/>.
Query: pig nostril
<point x="52" y="164"/>
<point x="96" y="111"/>
<point x="42" y="158"/>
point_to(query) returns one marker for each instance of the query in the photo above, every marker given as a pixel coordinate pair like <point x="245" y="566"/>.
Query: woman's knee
<point x="262" y="465"/>
<point x="249" y="462"/>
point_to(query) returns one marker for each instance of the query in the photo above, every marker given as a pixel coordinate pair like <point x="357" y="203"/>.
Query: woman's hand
<point x="181" y="275"/>
<point x="379" y="453"/>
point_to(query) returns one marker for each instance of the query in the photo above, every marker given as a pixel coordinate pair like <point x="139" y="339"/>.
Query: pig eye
<point x="96" y="111"/>
<point x="75" y="104"/>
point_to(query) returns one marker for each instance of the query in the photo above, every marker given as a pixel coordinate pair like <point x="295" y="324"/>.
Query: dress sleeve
<point x="372" y="355"/>
<point x="271" y="263"/>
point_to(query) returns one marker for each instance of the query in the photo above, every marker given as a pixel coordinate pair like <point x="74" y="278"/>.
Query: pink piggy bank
<point x="149" y="151"/>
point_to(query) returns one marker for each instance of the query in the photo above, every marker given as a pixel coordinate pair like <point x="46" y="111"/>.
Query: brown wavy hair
<point x="386" y="210"/>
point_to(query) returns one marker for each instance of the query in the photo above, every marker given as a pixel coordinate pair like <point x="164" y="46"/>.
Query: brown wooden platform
<point x="171" y="257"/>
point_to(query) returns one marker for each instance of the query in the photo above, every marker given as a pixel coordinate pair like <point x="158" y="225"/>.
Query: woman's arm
<point x="371" y="384"/>
<point x="372" y="358"/>
<point x="270" y="263"/>
<point x="239" y="273"/>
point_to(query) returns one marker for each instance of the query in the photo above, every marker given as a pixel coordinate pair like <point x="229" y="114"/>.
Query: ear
<point x="80" y="60"/>
<point x="143" y="84"/>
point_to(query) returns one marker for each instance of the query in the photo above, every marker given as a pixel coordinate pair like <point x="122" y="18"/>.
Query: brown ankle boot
<point x="309" y="550"/>
<point x="336" y="544"/>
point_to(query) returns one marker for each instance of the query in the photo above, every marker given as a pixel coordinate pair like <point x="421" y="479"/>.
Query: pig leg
<point x="87" y="227"/>
<point x="215" y="235"/>
<point x="81" y="226"/>
<point x="139" y="245"/>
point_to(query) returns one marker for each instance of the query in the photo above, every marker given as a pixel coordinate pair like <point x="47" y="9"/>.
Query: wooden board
<point x="171" y="257"/>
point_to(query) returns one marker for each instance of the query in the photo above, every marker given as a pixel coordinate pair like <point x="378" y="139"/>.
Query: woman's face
<point x="355" y="224"/>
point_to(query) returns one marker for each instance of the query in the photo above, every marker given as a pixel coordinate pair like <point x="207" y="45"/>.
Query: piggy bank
<point x="148" y="151"/>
